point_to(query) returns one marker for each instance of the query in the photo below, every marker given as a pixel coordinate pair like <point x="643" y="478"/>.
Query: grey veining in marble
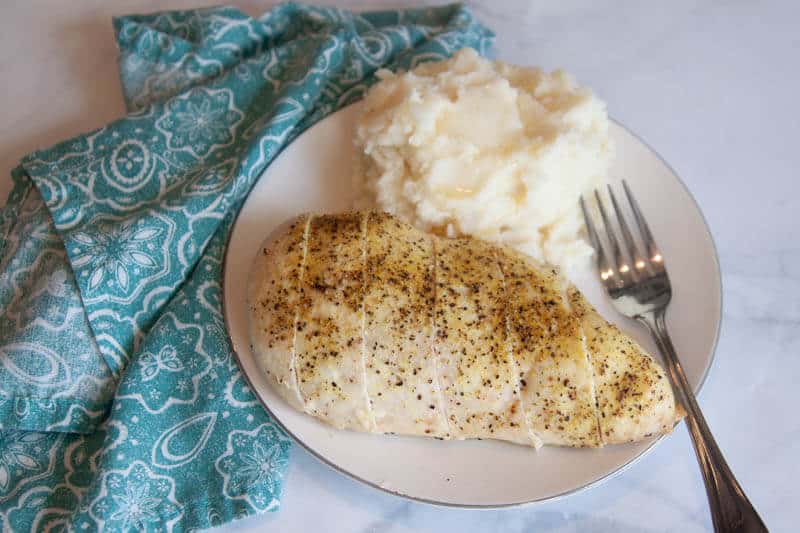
<point x="714" y="86"/>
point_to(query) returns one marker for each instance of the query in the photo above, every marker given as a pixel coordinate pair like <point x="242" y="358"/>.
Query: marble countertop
<point x="713" y="86"/>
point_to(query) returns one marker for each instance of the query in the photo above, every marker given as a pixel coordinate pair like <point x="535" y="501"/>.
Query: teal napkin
<point x="121" y="406"/>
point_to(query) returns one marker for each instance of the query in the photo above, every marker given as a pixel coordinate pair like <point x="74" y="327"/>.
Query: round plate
<point x="313" y="175"/>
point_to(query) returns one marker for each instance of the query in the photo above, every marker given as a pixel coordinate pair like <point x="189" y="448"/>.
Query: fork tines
<point x="625" y="258"/>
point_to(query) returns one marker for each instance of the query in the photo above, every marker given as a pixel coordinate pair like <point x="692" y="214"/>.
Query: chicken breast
<point x="328" y="348"/>
<point x="368" y="324"/>
<point x="479" y="377"/>
<point x="548" y="343"/>
<point x="634" y="397"/>
<point x="402" y="376"/>
<point x="275" y="295"/>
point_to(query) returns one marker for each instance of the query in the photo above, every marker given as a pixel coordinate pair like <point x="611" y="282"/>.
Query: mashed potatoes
<point x="470" y="146"/>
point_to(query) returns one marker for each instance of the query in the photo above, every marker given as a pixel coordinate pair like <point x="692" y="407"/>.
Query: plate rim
<point x="438" y="503"/>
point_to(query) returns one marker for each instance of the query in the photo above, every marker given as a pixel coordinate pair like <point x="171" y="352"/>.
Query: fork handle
<point x="730" y="508"/>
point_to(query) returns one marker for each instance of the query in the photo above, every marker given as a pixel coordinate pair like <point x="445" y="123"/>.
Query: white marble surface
<point x="713" y="86"/>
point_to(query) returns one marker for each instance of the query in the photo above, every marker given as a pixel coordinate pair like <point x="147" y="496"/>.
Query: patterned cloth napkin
<point x="121" y="406"/>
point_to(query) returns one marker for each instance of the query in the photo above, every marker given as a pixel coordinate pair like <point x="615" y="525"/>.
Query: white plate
<point x="313" y="174"/>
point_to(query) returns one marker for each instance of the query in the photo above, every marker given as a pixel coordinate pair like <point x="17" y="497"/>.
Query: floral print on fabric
<point x="120" y="297"/>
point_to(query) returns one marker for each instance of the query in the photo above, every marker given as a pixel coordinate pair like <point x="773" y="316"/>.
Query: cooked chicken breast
<point x="275" y="283"/>
<point x="402" y="375"/>
<point x="480" y="380"/>
<point x="328" y="344"/>
<point x="548" y="342"/>
<point x="369" y="324"/>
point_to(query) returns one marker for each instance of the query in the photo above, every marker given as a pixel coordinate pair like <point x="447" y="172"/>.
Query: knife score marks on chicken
<point x="369" y="324"/>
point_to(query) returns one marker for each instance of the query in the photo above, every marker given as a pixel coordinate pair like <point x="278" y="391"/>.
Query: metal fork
<point x="639" y="287"/>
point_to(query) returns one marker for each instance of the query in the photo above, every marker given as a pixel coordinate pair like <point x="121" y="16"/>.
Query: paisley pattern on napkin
<point x="52" y="376"/>
<point x="130" y="258"/>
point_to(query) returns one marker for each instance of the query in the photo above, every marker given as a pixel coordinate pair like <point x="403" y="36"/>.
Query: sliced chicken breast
<point x="402" y="381"/>
<point x="274" y="306"/>
<point x="479" y="378"/>
<point x="369" y="324"/>
<point x="634" y="398"/>
<point x="548" y="344"/>
<point x="330" y="365"/>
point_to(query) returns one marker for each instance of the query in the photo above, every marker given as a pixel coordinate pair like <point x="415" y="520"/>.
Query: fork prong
<point x="602" y="259"/>
<point x="632" y="248"/>
<point x="650" y="243"/>
<point x="619" y="259"/>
